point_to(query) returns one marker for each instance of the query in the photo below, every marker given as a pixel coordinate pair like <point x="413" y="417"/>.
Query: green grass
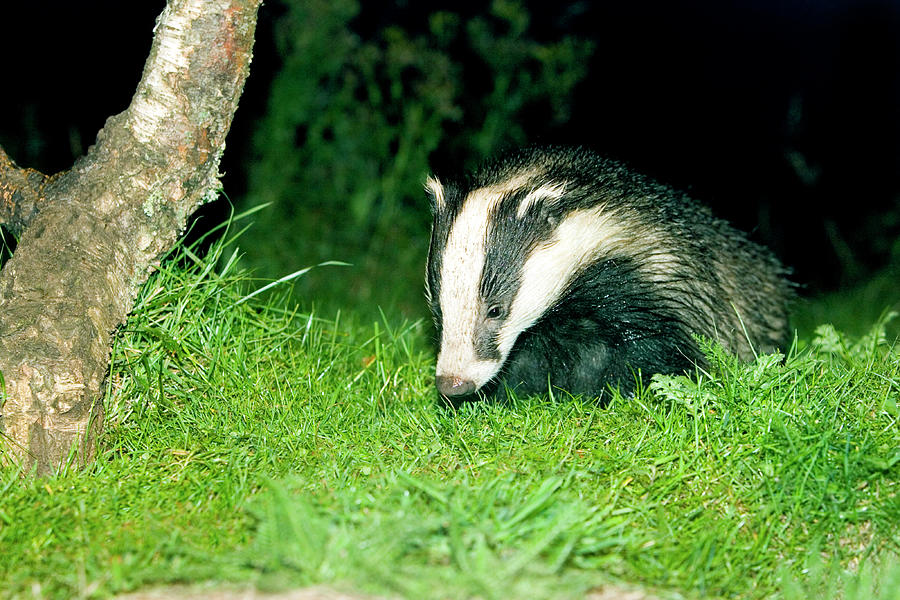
<point x="853" y="310"/>
<point x="253" y="442"/>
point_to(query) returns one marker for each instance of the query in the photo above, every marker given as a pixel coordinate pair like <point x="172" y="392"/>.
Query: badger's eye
<point x="494" y="311"/>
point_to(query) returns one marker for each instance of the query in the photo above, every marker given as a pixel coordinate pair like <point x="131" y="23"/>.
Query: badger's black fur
<point x="554" y="266"/>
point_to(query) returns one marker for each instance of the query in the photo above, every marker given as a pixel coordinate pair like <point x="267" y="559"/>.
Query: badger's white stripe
<point x="580" y="238"/>
<point x="546" y="193"/>
<point x="433" y="184"/>
<point x="461" y="266"/>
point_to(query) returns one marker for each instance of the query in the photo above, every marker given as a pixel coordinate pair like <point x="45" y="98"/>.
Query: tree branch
<point x="105" y="223"/>
<point x="21" y="191"/>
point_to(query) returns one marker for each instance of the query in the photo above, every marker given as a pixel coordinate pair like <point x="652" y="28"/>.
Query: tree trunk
<point x="91" y="235"/>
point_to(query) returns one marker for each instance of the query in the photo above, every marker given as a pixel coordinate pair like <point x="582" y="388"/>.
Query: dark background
<point x="784" y="116"/>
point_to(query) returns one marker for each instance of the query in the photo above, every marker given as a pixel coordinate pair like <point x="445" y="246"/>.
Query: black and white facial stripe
<point x="505" y="239"/>
<point x="555" y="264"/>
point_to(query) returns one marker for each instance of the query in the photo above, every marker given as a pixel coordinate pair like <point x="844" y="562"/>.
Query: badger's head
<point x="503" y="250"/>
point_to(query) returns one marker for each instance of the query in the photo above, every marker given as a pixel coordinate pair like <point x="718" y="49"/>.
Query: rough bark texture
<point x="21" y="191"/>
<point x="91" y="235"/>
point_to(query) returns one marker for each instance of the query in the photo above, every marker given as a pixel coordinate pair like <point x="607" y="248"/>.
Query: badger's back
<point x="553" y="266"/>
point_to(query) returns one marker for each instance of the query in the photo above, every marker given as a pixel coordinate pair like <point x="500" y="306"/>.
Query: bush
<point x="352" y="122"/>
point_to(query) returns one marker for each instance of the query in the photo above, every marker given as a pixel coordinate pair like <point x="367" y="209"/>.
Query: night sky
<point x="784" y="116"/>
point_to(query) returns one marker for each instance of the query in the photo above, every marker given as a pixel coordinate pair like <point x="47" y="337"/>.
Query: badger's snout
<point x="453" y="387"/>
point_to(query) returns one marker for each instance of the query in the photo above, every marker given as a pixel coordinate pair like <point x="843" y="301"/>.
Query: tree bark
<point x="91" y="235"/>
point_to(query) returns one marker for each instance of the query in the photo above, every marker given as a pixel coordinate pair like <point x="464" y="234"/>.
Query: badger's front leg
<point x="578" y="360"/>
<point x="540" y="363"/>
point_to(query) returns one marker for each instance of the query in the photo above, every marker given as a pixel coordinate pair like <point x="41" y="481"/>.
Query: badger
<point x="554" y="268"/>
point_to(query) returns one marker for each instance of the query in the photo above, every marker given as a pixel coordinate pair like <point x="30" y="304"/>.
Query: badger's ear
<point x="435" y="191"/>
<point x="547" y="200"/>
<point x="552" y="216"/>
<point x="552" y="213"/>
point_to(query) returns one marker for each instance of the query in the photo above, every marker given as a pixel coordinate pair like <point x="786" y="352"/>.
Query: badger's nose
<point x="451" y="386"/>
